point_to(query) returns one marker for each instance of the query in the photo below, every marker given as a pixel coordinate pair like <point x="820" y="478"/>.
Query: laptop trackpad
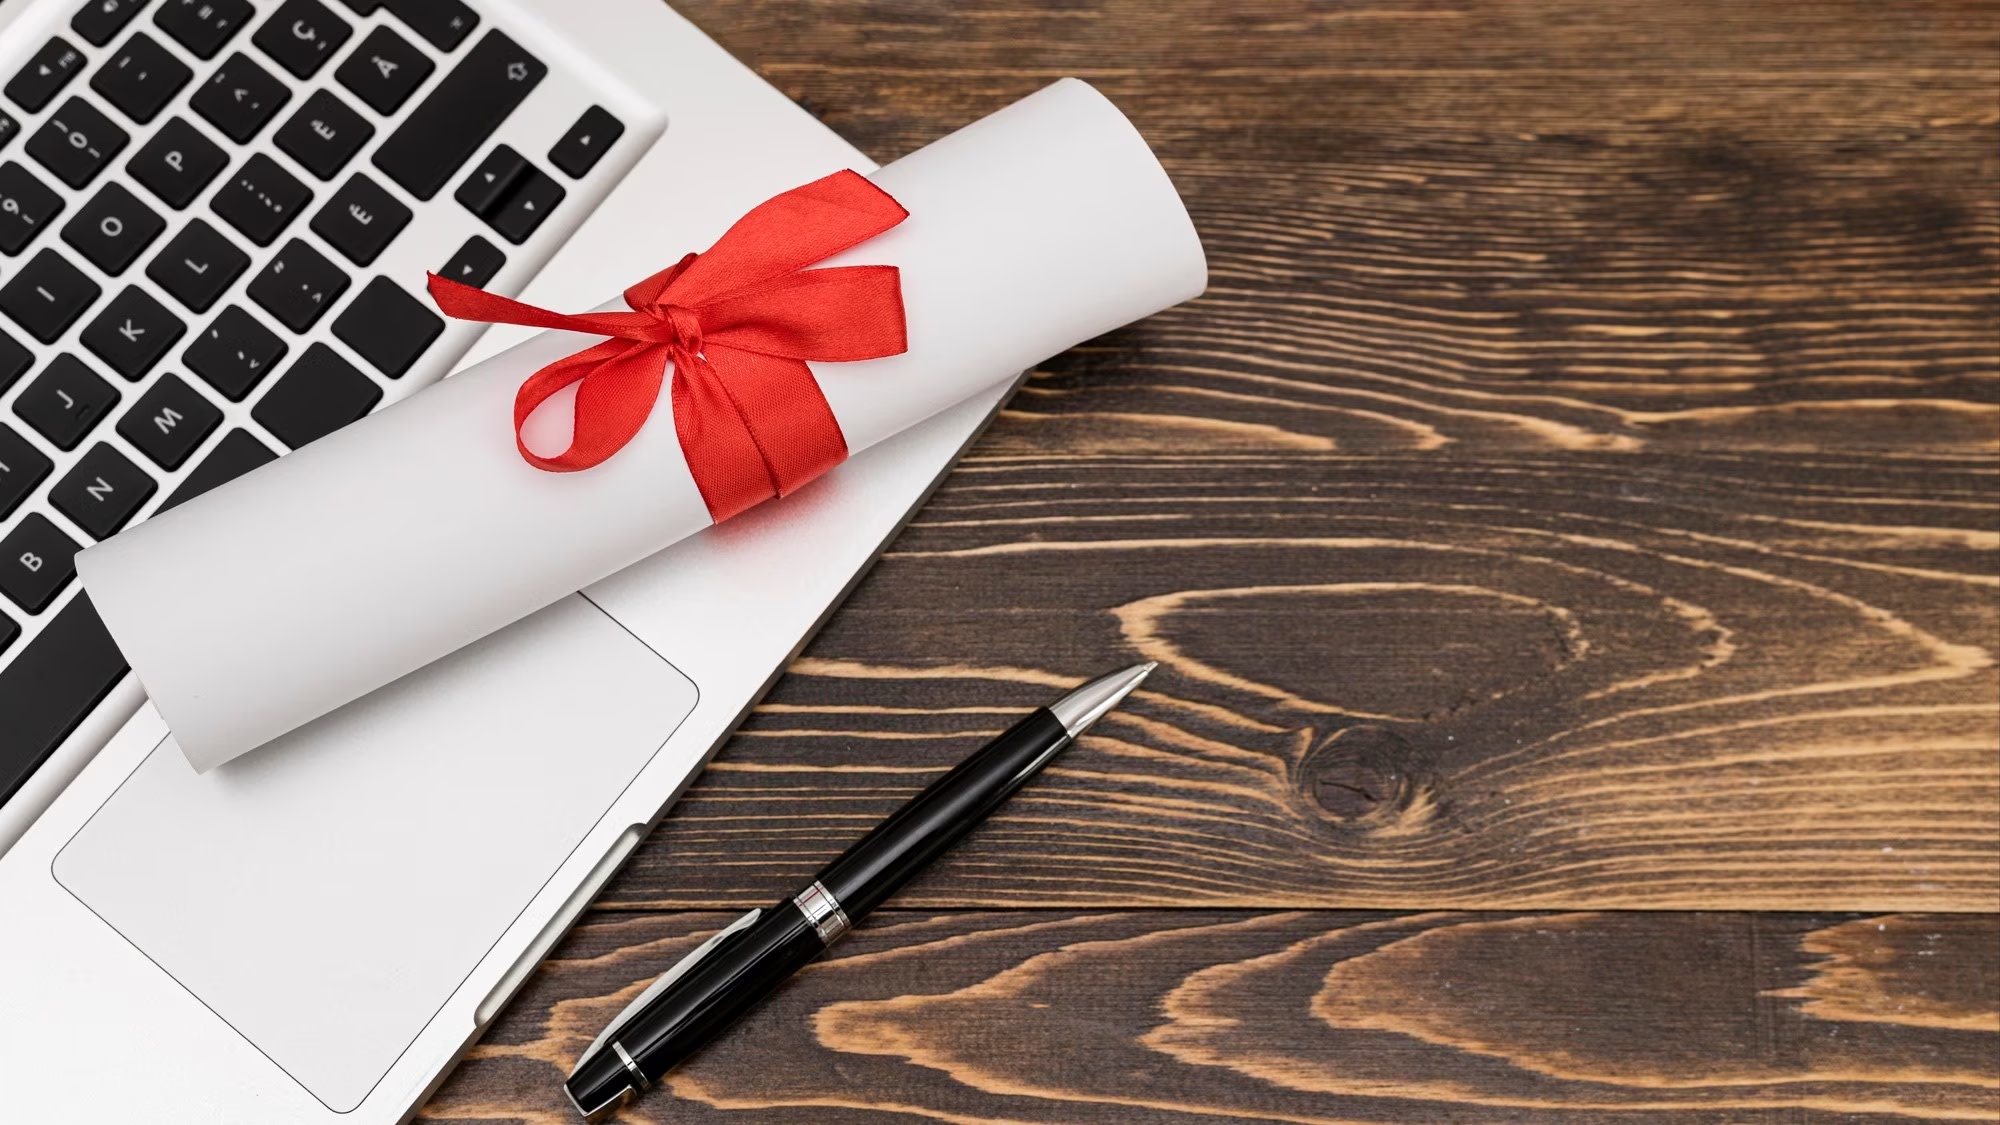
<point x="326" y="893"/>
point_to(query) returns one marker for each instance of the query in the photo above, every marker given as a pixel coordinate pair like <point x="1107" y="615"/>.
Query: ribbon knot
<point x="737" y="324"/>
<point x="683" y="328"/>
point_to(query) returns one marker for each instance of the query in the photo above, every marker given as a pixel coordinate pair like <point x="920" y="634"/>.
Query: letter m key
<point x="167" y="419"/>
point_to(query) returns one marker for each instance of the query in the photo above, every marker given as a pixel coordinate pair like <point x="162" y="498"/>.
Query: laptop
<point x="215" y="218"/>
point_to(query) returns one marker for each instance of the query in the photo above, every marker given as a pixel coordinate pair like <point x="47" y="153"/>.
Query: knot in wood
<point x="1359" y="776"/>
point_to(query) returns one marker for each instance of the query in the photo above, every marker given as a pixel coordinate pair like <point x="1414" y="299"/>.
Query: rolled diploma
<point x="366" y="555"/>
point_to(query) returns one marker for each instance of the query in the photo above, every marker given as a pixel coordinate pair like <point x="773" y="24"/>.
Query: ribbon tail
<point x="786" y="414"/>
<point x="729" y="468"/>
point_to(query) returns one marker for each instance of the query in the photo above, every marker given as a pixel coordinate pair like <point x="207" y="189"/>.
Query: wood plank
<point x="1304" y="1017"/>
<point x="1576" y="490"/>
<point x="1400" y="685"/>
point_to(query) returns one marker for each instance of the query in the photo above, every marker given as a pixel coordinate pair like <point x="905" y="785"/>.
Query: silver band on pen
<point x="823" y="911"/>
<point x="630" y="1065"/>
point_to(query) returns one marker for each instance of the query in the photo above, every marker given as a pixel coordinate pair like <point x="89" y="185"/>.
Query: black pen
<point x="732" y="971"/>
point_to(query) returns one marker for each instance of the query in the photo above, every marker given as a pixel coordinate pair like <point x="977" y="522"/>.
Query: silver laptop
<point x="215" y="217"/>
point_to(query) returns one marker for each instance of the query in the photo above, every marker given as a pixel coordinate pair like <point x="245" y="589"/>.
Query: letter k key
<point x="132" y="333"/>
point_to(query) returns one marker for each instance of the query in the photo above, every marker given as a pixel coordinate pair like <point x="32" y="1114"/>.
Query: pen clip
<point x="681" y="968"/>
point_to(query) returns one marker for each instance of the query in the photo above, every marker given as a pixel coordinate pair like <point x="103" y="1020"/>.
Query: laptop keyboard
<point x="214" y="217"/>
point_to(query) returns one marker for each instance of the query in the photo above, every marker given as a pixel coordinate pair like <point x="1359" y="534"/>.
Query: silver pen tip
<point x="1087" y="704"/>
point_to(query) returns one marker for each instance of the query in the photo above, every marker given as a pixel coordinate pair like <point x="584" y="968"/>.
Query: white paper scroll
<point x="328" y="573"/>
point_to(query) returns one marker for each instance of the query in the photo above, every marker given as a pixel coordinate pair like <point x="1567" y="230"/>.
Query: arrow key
<point x="132" y="333"/>
<point x="482" y="190"/>
<point x="586" y="142"/>
<point x="525" y="205"/>
<point x="235" y="354"/>
<point x="475" y="263"/>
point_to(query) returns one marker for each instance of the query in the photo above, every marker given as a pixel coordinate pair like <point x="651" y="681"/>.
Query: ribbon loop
<point x="738" y="324"/>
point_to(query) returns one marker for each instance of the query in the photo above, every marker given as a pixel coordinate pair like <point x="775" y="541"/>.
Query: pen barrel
<point x="733" y="978"/>
<point x="941" y="815"/>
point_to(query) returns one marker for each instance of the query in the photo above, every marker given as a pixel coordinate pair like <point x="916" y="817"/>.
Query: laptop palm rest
<point x="326" y="894"/>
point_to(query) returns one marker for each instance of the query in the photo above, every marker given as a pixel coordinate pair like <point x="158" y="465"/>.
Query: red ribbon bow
<point x="738" y="323"/>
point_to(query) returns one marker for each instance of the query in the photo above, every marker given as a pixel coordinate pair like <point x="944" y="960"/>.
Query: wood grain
<point x="1577" y="490"/>
<point x="1306" y="1017"/>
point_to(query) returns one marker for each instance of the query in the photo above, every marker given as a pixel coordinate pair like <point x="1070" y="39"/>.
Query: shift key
<point x="436" y="140"/>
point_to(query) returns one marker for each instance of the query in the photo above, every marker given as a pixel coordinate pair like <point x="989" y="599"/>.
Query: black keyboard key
<point x="260" y="198"/>
<point x="360" y="219"/>
<point x="475" y="263"/>
<point x="47" y="295"/>
<point x="445" y="23"/>
<point x="14" y="361"/>
<point x="298" y="286"/>
<point x="177" y="162"/>
<point x="324" y="135"/>
<point x="36" y="561"/>
<point x="302" y="35"/>
<point x="241" y="98"/>
<point x="319" y="394"/>
<point x="387" y="327"/>
<point x="103" y="491"/>
<point x="169" y="421"/>
<point x="447" y="127"/>
<point x="197" y="265"/>
<point x="26" y="206"/>
<point x="586" y="142"/>
<point x="384" y="71"/>
<point x="22" y="467"/>
<point x="237" y="453"/>
<point x="526" y="205"/>
<point x="363" y="7"/>
<point x="203" y="26"/>
<point x="483" y="189"/>
<point x="8" y="631"/>
<point x="77" y="142"/>
<point x="141" y="78"/>
<point x="113" y="228"/>
<point x="235" y="354"/>
<point x="63" y="674"/>
<point x="99" y="20"/>
<point x="65" y="401"/>
<point x="132" y="332"/>
<point x="8" y="127"/>
<point x="37" y="83"/>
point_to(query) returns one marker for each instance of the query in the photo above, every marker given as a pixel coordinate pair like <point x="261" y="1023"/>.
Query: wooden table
<point x="1568" y="530"/>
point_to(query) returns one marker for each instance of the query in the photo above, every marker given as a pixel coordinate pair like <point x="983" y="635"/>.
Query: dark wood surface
<point x="1571" y="511"/>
